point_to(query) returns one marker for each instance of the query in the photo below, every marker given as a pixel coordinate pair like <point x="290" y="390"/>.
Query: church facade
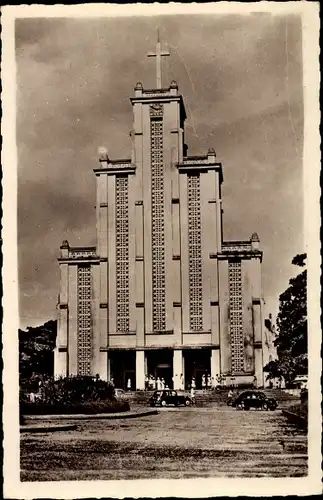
<point x="161" y="294"/>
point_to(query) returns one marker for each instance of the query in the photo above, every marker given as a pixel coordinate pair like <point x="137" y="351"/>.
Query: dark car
<point x="170" y="397"/>
<point x="254" y="399"/>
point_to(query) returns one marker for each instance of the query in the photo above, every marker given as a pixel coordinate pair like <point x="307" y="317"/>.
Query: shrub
<point x="88" y="408"/>
<point x="68" y="390"/>
<point x="69" y="395"/>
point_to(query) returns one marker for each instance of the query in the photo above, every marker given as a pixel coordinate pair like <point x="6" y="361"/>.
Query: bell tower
<point x="158" y="128"/>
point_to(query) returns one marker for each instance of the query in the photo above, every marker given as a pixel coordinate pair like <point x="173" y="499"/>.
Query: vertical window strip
<point x="195" y="253"/>
<point x="122" y="254"/>
<point x="84" y="320"/>
<point x="236" y="317"/>
<point x="157" y="225"/>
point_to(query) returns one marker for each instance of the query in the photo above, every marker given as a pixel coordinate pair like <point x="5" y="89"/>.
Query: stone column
<point x="259" y="367"/>
<point x="60" y="363"/>
<point x="215" y="366"/>
<point x="178" y="369"/>
<point x="104" y="366"/>
<point x="140" y="370"/>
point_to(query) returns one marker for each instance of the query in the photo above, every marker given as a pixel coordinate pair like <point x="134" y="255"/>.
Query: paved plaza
<point x="175" y="444"/>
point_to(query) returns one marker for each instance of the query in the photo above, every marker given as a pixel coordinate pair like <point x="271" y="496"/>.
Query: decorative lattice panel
<point x="195" y="253"/>
<point x="84" y="320"/>
<point x="157" y="222"/>
<point x="122" y="254"/>
<point x="236" y="317"/>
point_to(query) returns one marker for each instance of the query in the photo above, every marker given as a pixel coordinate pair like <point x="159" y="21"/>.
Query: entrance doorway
<point x="123" y="369"/>
<point x="160" y="366"/>
<point x="197" y="364"/>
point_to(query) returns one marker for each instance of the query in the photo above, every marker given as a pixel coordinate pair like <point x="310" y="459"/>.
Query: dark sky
<point x="241" y="78"/>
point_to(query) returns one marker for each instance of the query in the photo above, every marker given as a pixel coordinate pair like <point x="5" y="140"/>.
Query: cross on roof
<point x="159" y="54"/>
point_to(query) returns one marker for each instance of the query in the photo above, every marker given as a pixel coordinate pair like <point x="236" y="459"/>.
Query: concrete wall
<point x="225" y="341"/>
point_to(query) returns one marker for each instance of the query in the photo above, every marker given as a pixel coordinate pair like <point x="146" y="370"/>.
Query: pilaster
<point x="168" y="122"/>
<point x="139" y="275"/>
<point x="103" y="305"/>
<point x="184" y="251"/>
<point x="112" y="253"/>
<point x="215" y="366"/>
<point x="147" y="219"/>
<point x="132" y="251"/>
<point x="60" y="362"/>
<point x="225" y="344"/>
<point x="73" y="326"/>
<point x="95" y="306"/>
<point x="140" y="370"/>
<point x="259" y="366"/>
<point x="103" y="366"/>
<point x="178" y="369"/>
<point x="102" y="215"/>
<point x="207" y="190"/>
<point x="218" y="211"/>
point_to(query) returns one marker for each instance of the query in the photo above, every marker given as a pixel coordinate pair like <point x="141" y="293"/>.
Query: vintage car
<point x="119" y="394"/>
<point x="170" y="397"/>
<point x="254" y="399"/>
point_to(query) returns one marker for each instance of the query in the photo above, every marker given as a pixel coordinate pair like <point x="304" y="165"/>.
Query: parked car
<point x="170" y="397"/>
<point x="119" y="394"/>
<point x="254" y="399"/>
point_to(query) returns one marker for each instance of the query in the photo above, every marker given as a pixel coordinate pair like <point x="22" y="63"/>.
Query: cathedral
<point x="161" y="294"/>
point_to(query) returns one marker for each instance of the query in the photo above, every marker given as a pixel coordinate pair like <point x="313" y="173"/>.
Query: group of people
<point x="155" y="383"/>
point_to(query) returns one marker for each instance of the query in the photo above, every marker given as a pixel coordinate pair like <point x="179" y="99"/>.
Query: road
<point x="175" y="444"/>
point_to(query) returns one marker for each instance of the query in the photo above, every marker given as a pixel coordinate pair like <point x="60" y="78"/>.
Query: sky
<point x="241" y="79"/>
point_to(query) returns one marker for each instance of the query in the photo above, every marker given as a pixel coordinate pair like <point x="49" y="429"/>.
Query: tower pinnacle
<point x="159" y="54"/>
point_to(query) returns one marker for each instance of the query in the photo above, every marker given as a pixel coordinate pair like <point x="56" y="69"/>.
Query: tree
<point x="291" y="337"/>
<point x="36" y="349"/>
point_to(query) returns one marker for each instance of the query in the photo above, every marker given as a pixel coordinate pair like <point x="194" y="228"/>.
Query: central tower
<point x="159" y="116"/>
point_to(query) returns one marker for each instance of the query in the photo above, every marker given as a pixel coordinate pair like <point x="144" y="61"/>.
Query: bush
<point x="88" y="408"/>
<point x="68" y="390"/>
<point x="68" y="395"/>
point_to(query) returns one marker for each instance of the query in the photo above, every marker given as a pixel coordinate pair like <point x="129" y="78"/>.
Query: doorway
<point x="197" y="364"/>
<point x="160" y="365"/>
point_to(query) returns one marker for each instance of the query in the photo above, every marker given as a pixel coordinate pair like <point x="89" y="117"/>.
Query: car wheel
<point x="163" y="403"/>
<point x="239" y="406"/>
<point x="187" y="402"/>
<point x="265" y="406"/>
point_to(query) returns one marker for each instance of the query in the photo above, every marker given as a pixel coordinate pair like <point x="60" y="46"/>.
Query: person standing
<point x="203" y="382"/>
<point x="129" y="384"/>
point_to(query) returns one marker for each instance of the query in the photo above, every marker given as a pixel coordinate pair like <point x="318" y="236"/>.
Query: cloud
<point x="241" y="78"/>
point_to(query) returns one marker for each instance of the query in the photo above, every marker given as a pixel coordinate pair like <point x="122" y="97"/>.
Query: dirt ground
<point x="175" y="444"/>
